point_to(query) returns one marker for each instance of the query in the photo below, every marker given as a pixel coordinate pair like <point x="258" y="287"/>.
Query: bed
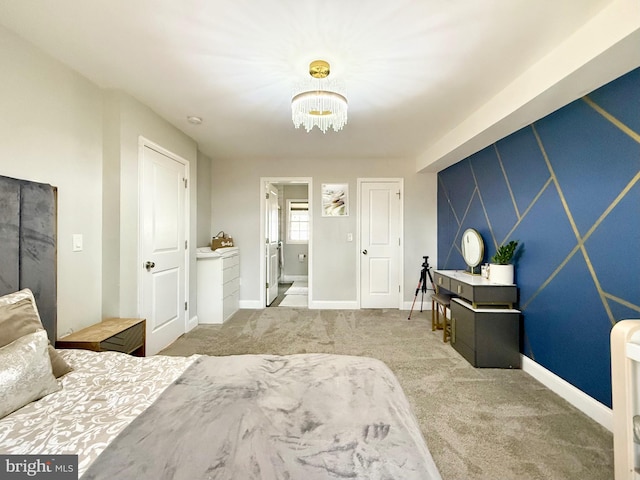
<point x="308" y="416"/>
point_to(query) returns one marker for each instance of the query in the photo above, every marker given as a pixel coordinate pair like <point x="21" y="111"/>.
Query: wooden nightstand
<point x="125" y="335"/>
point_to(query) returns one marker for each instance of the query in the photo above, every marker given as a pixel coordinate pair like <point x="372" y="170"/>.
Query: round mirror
<point x="472" y="247"/>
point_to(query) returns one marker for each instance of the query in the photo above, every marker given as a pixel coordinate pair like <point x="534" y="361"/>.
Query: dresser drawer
<point x="228" y="262"/>
<point x="505" y="295"/>
<point x="441" y="281"/>
<point x="230" y="273"/>
<point x="230" y="305"/>
<point x="463" y="290"/>
<point x="230" y="287"/>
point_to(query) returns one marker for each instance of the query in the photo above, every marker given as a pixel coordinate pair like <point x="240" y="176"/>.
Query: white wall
<point x="51" y="132"/>
<point x="57" y="127"/>
<point x="138" y="120"/>
<point x="203" y="238"/>
<point x="235" y="209"/>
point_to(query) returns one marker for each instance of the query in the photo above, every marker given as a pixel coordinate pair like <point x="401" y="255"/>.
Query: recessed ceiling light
<point x="194" y="120"/>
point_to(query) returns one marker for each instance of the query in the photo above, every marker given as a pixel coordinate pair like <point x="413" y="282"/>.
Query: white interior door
<point x="380" y="244"/>
<point x="163" y="237"/>
<point x="272" y="238"/>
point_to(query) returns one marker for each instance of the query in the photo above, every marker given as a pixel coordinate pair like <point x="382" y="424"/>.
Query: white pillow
<point x="25" y="372"/>
<point x="19" y="316"/>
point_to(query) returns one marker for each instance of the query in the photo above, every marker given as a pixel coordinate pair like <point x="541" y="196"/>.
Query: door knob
<point x="149" y="266"/>
<point x="364" y="251"/>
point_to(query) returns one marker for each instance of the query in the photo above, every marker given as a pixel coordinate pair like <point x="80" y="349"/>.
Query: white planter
<point x="501" y="274"/>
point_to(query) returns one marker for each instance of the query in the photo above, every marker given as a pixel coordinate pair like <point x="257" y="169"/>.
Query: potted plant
<point x="501" y="270"/>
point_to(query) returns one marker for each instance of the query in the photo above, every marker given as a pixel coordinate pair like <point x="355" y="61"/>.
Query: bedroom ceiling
<point x="413" y="69"/>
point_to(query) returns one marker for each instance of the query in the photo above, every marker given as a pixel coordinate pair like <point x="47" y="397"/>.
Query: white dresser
<point x="218" y="284"/>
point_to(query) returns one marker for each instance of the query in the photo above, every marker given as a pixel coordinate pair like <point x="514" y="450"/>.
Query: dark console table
<point x="485" y="327"/>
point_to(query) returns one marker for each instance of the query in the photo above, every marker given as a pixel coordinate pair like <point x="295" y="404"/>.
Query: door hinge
<point x="185" y="182"/>
<point x="185" y="306"/>
<point x="398" y="193"/>
<point x="266" y="196"/>
<point x="267" y="284"/>
<point x="398" y="288"/>
<point x="186" y="244"/>
<point x="398" y="241"/>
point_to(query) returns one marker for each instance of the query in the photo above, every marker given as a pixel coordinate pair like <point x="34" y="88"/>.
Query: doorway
<point x="381" y="238"/>
<point x="163" y="234"/>
<point x="286" y="237"/>
<point x="273" y="248"/>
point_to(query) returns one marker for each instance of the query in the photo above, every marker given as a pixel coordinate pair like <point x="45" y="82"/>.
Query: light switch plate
<point x="77" y="242"/>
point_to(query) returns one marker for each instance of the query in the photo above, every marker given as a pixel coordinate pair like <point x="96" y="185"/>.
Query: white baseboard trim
<point x="576" y="397"/>
<point x="192" y="323"/>
<point x="340" y="305"/>
<point x="251" y="304"/>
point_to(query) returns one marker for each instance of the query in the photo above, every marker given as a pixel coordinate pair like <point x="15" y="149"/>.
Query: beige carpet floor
<point x="478" y="423"/>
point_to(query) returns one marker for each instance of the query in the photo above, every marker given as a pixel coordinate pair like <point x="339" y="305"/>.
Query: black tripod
<point x="422" y="284"/>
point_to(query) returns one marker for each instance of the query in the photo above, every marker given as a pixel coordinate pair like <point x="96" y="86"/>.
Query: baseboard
<point x="192" y="323"/>
<point x="323" y="305"/>
<point x="251" y="304"/>
<point x="576" y="397"/>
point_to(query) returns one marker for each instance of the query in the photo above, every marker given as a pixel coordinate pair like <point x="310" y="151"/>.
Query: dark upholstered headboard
<point x="28" y="244"/>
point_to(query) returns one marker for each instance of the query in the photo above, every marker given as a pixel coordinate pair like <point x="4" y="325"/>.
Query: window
<point x="297" y="221"/>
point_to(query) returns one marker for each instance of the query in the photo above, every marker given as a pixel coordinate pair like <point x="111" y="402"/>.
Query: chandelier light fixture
<point x="319" y="101"/>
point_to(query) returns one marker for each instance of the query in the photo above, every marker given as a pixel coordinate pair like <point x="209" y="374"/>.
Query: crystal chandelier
<point x="318" y="102"/>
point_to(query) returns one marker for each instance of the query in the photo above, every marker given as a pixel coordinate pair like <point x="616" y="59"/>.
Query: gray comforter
<point x="306" y="417"/>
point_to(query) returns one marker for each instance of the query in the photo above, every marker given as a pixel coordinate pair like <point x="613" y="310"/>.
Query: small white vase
<point x="501" y="274"/>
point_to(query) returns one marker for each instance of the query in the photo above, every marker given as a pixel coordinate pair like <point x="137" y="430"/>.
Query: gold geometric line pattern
<point x="574" y="227"/>
<point x="452" y="210"/>
<point x="636" y="137"/>
<point x="506" y="179"/>
<point x="552" y="276"/>
<point x="581" y="243"/>
<point x="607" y="299"/>
<point x="484" y="209"/>
<point x="521" y="216"/>
<point x="466" y="211"/>
<point x="615" y="202"/>
<point x="612" y="119"/>
<point x="528" y="209"/>
<point x="563" y="200"/>
<point x="597" y="284"/>
<point x="621" y="301"/>
<point x="446" y="194"/>
<point x="582" y="239"/>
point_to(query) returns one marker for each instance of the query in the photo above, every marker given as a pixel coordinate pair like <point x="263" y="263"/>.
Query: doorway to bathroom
<point x="286" y="215"/>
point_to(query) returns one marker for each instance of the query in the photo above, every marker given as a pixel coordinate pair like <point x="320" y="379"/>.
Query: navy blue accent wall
<point x="568" y="188"/>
